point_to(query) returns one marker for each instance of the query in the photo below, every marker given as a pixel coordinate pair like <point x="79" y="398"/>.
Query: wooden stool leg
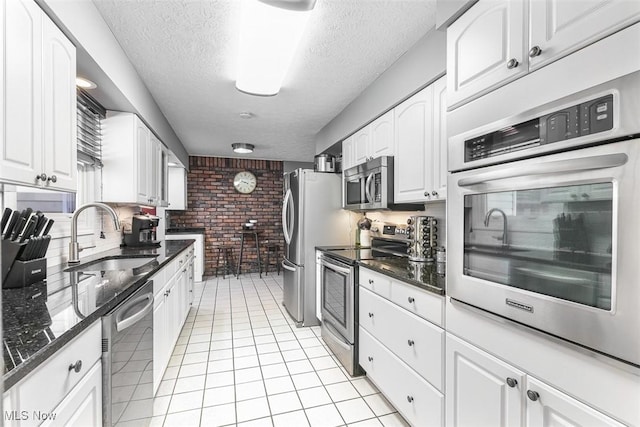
<point x="218" y="262"/>
<point x="240" y="259"/>
<point x="258" y="252"/>
<point x="266" y="266"/>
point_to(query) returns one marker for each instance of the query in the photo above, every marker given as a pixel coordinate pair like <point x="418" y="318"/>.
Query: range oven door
<point x="338" y="296"/>
<point x="553" y="242"/>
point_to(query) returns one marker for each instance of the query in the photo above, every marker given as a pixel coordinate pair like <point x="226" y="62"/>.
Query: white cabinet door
<point x="552" y="408"/>
<point x="361" y="141"/>
<point x="413" y="127"/>
<point x="479" y="391"/>
<point x="348" y="155"/>
<point x="83" y="405"/>
<point x="558" y="28"/>
<point x="382" y="135"/>
<point x="485" y="49"/>
<point x="439" y="148"/>
<point x="59" y="108"/>
<point x="177" y="188"/>
<point x="143" y="155"/>
<point x="21" y="156"/>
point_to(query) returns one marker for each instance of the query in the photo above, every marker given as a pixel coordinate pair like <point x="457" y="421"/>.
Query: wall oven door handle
<point x="548" y="168"/>
<point x="285" y="219"/>
<point x="367" y="188"/>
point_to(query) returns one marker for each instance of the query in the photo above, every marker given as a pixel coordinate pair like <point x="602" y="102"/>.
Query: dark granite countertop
<point x="39" y="320"/>
<point x="425" y="275"/>
<point x="185" y="230"/>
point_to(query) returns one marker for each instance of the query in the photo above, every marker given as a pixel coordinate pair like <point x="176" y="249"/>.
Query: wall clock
<point x="245" y="182"/>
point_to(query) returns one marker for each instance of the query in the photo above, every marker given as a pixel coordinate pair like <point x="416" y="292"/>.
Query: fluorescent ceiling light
<point x="270" y="34"/>
<point x="241" y="148"/>
<point x="85" y="83"/>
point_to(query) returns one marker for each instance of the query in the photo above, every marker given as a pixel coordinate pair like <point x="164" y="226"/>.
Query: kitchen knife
<point x="42" y="220"/>
<point x="5" y="218"/>
<point x="44" y="246"/>
<point x="28" y="250"/>
<point x="12" y="224"/>
<point x="28" y="230"/>
<point x="19" y="227"/>
<point x="45" y="232"/>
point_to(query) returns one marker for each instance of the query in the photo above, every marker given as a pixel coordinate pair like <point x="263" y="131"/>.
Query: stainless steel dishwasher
<point x="127" y="360"/>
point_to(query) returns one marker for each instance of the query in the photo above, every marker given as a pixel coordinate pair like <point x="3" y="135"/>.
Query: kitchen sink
<point x="113" y="263"/>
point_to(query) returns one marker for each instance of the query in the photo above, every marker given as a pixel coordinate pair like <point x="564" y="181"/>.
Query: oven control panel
<point x="587" y="118"/>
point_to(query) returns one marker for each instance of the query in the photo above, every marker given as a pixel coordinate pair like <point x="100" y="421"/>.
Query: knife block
<point x="16" y="273"/>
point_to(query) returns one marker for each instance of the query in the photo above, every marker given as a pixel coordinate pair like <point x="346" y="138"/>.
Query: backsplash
<point x="214" y="204"/>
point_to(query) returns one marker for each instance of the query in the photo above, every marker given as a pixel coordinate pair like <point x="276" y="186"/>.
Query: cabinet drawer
<point x="43" y="389"/>
<point x="412" y="396"/>
<point x="418" y="301"/>
<point x="375" y="282"/>
<point x="415" y="341"/>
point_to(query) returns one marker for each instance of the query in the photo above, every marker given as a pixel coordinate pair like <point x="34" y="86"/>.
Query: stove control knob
<point x="409" y="221"/>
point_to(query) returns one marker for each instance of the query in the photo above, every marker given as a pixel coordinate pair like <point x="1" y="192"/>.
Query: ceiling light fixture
<point x="242" y="148"/>
<point x="83" y="83"/>
<point x="270" y="33"/>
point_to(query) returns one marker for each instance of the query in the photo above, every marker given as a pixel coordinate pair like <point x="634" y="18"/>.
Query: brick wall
<point x="213" y="203"/>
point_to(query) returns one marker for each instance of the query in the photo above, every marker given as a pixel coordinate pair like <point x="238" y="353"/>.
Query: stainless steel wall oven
<point x="543" y="218"/>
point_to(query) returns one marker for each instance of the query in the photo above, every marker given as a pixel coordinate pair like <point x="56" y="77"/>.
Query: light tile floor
<point x="241" y="361"/>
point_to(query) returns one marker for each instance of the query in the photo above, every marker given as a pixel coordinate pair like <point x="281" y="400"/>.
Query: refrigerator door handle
<point x="285" y="223"/>
<point x="286" y="266"/>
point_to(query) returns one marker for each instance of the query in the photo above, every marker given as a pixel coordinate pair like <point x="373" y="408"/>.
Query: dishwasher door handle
<point x="122" y="324"/>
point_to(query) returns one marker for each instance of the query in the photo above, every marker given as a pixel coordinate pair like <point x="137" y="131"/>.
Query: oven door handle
<point x="544" y="275"/>
<point x="335" y="266"/>
<point x="548" y="168"/>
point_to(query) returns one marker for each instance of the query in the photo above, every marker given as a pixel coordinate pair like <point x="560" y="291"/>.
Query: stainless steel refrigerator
<point x="312" y="216"/>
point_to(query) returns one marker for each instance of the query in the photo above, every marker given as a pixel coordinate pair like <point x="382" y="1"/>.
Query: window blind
<point x="90" y="113"/>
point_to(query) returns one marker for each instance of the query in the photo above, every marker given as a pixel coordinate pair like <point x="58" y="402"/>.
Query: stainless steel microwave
<point x="369" y="186"/>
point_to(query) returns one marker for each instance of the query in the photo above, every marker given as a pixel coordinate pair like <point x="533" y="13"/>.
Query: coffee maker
<point x="143" y="231"/>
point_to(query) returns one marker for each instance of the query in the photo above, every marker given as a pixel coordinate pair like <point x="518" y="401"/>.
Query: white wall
<point x="83" y="24"/>
<point x="421" y="65"/>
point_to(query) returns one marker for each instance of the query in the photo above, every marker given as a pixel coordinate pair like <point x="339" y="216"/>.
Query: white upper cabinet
<point x="414" y="123"/>
<point x="348" y="156"/>
<point x="361" y="142"/>
<point x="131" y="154"/>
<point x="177" y="188"/>
<point x="497" y="41"/>
<point x="382" y="135"/>
<point x="39" y="107"/>
<point x="558" y="28"/>
<point x="439" y="156"/>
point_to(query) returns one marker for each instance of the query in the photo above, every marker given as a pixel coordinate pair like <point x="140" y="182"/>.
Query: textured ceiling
<point x="185" y="52"/>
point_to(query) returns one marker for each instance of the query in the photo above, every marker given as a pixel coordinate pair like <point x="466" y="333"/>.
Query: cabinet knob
<point x="512" y="382"/>
<point x="535" y="51"/>
<point x="41" y="177"/>
<point x="409" y="399"/>
<point x="411" y="300"/>
<point x="76" y="366"/>
<point x="370" y="359"/>
<point x="371" y="281"/>
<point x="410" y="342"/>
<point x="513" y="63"/>
<point x="370" y="314"/>
<point x="426" y="194"/>
<point x="434" y="193"/>
<point x="53" y="179"/>
<point x="533" y="395"/>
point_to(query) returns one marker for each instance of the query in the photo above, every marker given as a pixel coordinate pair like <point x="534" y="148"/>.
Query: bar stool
<point x="253" y="233"/>
<point x="228" y="264"/>
<point x="271" y="248"/>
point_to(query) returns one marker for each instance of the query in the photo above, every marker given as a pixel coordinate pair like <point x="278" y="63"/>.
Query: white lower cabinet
<point x="483" y="390"/>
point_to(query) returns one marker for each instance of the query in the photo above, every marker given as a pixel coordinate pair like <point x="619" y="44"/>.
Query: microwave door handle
<point x="367" y="188"/>
<point x="548" y="168"/>
<point x="285" y="218"/>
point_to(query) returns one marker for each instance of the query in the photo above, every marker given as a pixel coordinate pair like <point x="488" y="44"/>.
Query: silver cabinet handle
<point x="434" y="193"/>
<point x="535" y="51"/>
<point x="512" y="382"/>
<point x="533" y="395"/>
<point x="411" y="343"/>
<point x="513" y="63"/>
<point x="53" y="179"/>
<point x="370" y="359"/>
<point x="41" y="177"/>
<point x="370" y="314"/>
<point x="411" y="300"/>
<point x="76" y="366"/>
<point x="409" y="399"/>
<point x="371" y="281"/>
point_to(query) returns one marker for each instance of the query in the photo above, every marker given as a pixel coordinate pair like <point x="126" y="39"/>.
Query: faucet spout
<point x="74" y="247"/>
<point x="487" y="218"/>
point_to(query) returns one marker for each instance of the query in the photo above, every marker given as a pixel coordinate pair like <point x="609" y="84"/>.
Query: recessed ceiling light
<point x="85" y="83"/>
<point x="246" y="115"/>
<point x="242" y="148"/>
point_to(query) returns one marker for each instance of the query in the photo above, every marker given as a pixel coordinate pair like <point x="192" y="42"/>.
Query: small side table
<point x="253" y="233"/>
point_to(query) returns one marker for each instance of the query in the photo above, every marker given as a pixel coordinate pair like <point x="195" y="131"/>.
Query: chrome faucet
<point x="74" y="246"/>
<point x="504" y="225"/>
